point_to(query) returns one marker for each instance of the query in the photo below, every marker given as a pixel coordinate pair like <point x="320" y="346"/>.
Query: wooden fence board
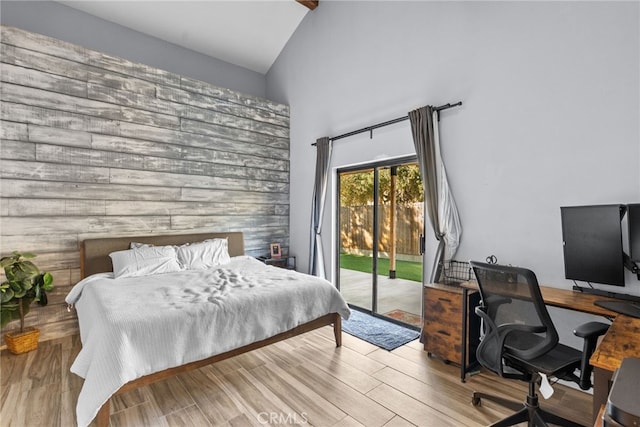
<point x="356" y="223"/>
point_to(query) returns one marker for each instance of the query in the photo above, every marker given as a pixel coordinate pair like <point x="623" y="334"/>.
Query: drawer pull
<point x="444" y="333"/>
<point x="445" y="300"/>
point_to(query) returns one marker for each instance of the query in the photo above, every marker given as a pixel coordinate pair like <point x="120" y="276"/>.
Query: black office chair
<point x="520" y="341"/>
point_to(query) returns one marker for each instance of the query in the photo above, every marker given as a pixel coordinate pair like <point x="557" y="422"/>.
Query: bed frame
<point x="94" y="258"/>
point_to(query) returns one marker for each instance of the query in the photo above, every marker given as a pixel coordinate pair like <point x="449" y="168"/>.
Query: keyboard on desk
<point x="623" y="307"/>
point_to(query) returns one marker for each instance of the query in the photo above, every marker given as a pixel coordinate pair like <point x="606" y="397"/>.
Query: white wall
<point x="550" y="117"/>
<point x="62" y="22"/>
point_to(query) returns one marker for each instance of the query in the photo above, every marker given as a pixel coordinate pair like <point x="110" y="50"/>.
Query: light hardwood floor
<point x="305" y="380"/>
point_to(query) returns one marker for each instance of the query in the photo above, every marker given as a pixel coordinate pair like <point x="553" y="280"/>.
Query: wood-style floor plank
<point x="301" y="398"/>
<point x="305" y="380"/>
<point x="411" y="409"/>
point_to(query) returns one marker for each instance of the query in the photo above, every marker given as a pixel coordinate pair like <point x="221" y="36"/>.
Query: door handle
<point x="421" y="242"/>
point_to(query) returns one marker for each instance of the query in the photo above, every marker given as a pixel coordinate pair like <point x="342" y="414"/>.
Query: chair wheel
<point x="475" y="401"/>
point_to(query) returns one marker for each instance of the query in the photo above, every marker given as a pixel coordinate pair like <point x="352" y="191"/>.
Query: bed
<point x="139" y="329"/>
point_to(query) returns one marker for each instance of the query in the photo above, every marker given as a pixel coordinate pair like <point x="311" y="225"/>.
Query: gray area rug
<point x="378" y="331"/>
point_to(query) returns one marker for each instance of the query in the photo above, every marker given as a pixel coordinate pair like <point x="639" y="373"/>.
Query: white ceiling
<point x="247" y="33"/>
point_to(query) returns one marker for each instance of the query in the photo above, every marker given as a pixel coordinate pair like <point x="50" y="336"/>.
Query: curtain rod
<point x="387" y="123"/>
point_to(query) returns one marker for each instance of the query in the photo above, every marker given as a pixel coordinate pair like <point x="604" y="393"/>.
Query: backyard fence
<point x="356" y="229"/>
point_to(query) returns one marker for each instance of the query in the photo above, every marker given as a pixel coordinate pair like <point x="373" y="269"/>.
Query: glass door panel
<point x="356" y="237"/>
<point x="401" y="219"/>
<point x="380" y="219"/>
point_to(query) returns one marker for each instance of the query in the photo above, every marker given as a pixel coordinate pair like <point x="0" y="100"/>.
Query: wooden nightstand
<point x="285" y="262"/>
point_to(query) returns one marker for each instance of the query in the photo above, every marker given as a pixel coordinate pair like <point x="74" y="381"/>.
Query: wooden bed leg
<point x="337" y="330"/>
<point x="102" y="419"/>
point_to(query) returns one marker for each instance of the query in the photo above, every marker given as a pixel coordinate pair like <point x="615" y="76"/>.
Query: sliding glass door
<point x="356" y="278"/>
<point x="380" y="216"/>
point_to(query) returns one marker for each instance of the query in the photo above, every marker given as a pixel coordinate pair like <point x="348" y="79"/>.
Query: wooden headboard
<point x="94" y="253"/>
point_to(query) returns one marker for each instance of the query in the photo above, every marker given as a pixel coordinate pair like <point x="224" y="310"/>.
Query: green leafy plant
<point x="24" y="284"/>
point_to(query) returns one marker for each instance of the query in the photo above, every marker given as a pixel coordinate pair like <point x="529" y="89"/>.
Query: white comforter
<point x="136" y="326"/>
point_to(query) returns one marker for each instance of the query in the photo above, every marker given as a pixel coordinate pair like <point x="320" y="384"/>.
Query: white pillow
<point x="204" y="255"/>
<point x="144" y="261"/>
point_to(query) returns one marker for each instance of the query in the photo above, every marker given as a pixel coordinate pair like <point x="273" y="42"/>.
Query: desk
<point x="562" y="298"/>
<point x="621" y="340"/>
<point x="566" y="298"/>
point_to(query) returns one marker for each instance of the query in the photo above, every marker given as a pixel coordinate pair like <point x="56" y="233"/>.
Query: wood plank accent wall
<point x="92" y="145"/>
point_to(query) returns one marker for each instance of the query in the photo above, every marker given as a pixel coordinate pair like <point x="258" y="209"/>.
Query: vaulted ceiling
<point x="247" y="33"/>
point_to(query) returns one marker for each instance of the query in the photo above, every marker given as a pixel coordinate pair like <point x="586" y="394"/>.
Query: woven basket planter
<point x="19" y="343"/>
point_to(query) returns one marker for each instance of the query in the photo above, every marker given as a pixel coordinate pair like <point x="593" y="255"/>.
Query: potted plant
<point x="24" y="284"/>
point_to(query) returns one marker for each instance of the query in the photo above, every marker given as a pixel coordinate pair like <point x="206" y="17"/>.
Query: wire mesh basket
<point x="455" y="272"/>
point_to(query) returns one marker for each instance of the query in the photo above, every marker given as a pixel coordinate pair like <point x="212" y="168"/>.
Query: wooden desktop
<point x="621" y="340"/>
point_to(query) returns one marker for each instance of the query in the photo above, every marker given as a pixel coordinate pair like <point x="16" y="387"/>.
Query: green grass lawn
<point x="404" y="269"/>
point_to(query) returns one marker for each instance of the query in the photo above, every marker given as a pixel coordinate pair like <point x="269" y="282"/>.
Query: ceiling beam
<point x="311" y="4"/>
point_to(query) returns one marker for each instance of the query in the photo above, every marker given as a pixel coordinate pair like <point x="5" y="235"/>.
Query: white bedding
<point x="131" y="327"/>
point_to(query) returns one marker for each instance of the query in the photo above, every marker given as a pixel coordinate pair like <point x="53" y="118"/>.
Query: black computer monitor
<point x="633" y="220"/>
<point x="592" y="243"/>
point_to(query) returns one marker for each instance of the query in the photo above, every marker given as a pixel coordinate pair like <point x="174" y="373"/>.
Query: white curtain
<point x="316" y="253"/>
<point x="448" y="217"/>
<point x="440" y="205"/>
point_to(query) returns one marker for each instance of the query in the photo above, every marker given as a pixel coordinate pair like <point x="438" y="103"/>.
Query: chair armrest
<point x="491" y="346"/>
<point x="589" y="332"/>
